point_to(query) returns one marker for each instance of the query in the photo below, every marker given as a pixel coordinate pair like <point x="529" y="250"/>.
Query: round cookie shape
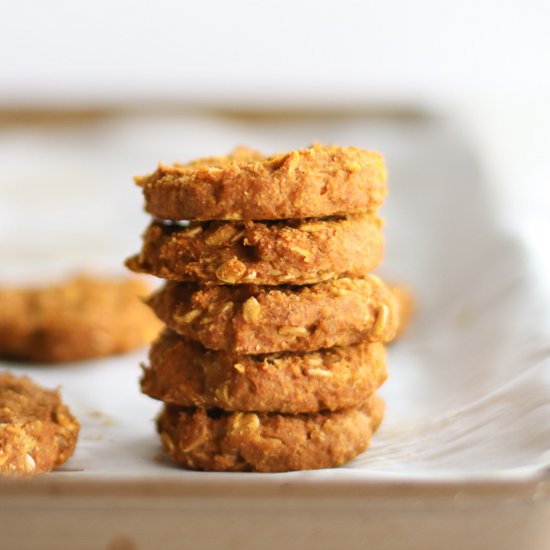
<point x="315" y="182"/>
<point x="80" y="318"/>
<point x="215" y="440"/>
<point x="252" y="319"/>
<point x="291" y="252"/>
<point x="37" y="431"/>
<point x="182" y="372"/>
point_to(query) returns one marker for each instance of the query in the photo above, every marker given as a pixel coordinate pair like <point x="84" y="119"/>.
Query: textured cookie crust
<point x="251" y="319"/>
<point x="37" y="431"/>
<point x="274" y="253"/>
<point x="214" y="440"/>
<point x="183" y="373"/>
<point x="315" y="182"/>
<point x="83" y="317"/>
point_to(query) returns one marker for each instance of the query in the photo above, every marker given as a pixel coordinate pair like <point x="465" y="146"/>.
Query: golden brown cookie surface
<point x="83" y="317"/>
<point x="314" y="182"/>
<point x="182" y="372"/>
<point x="251" y="319"/>
<point x="37" y="431"/>
<point x="275" y="253"/>
<point x="219" y="441"/>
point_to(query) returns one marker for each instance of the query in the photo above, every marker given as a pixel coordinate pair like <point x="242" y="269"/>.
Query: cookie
<point x="182" y="372"/>
<point x="37" y="431"/>
<point x="405" y="302"/>
<point x="215" y="440"/>
<point x="314" y="182"/>
<point x="274" y="253"/>
<point x="251" y="319"/>
<point x="83" y="317"/>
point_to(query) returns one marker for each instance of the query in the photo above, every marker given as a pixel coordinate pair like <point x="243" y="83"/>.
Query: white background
<point x="240" y="51"/>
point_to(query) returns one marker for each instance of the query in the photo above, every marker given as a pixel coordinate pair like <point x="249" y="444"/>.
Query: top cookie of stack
<point x="314" y="182"/>
<point x="271" y="309"/>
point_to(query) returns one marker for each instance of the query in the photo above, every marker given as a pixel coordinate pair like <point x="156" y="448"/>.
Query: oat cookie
<point x="81" y="318"/>
<point x="274" y="253"/>
<point x="182" y="372"/>
<point x="200" y="439"/>
<point x="251" y="319"/>
<point x="37" y="431"/>
<point x="314" y="182"/>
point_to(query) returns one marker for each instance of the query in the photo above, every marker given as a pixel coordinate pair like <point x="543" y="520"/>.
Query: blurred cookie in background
<point x="406" y="306"/>
<point x="82" y="317"/>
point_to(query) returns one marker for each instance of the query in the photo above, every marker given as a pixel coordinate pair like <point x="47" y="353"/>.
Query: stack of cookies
<point x="273" y="346"/>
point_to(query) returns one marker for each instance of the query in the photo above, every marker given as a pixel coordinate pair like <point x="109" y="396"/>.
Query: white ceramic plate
<point x="468" y="398"/>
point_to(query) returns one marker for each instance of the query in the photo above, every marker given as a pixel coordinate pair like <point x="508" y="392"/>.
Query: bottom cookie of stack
<point x="217" y="440"/>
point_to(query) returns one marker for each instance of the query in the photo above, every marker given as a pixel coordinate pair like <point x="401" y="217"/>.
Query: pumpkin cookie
<point x="273" y="253"/>
<point x="215" y="440"/>
<point x="183" y="373"/>
<point x="251" y="319"/>
<point x="314" y="182"/>
<point x="37" y="431"/>
<point x="82" y="318"/>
